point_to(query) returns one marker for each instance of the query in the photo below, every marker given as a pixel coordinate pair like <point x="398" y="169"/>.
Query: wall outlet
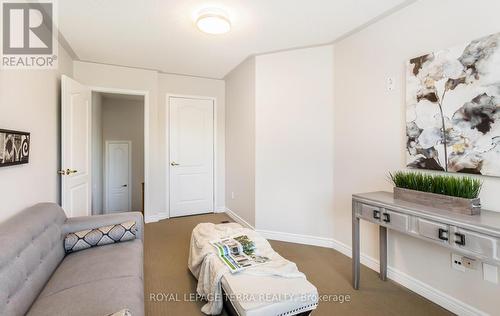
<point x="457" y="262"/>
<point x="390" y="84"/>
<point x="490" y="273"/>
<point x="469" y="263"/>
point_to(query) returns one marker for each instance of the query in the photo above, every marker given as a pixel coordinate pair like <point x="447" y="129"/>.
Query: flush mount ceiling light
<point x="213" y="21"/>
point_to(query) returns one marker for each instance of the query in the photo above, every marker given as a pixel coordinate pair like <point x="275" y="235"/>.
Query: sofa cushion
<point x="104" y="235"/>
<point x="96" y="298"/>
<point x="96" y="281"/>
<point x="106" y="262"/>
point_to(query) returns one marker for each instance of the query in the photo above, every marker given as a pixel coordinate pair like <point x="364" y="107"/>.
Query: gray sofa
<point x="38" y="278"/>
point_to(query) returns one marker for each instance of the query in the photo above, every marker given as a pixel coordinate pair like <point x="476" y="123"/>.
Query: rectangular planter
<point x="443" y="202"/>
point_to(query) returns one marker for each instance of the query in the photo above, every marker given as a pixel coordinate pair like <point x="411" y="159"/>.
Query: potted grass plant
<point x="455" y="194"/>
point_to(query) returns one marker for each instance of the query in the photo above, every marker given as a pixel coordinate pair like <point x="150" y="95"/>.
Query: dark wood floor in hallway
<point x="168" y="278"/>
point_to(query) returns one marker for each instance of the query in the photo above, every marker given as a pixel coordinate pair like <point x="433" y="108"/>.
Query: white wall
<point x="240" y="141"/>
<point x="123" y="120"/>
<point x="30" y="101"/>
<point x="97" y="154"/>
<point x="370" y="135"/>
<point x="294" y="142"/>
<point x="158" y="85"/>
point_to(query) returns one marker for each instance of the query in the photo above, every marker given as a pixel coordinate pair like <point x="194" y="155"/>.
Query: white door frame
<point x="145" y="94"/>
<point x="106" y="169"/>
<point x="167" y="138"/>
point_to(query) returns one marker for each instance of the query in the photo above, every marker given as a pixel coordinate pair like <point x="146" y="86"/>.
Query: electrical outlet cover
<point x="469" y="263"/>
<point x="456" y="262"/>
<point x="390" y="84"/>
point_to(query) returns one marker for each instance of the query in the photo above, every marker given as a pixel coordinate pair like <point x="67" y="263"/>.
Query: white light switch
<point x="232" y="195"/>
<point x="490" y="273"/>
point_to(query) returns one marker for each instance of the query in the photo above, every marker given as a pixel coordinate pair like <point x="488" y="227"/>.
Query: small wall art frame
<point x="14" y="147"/>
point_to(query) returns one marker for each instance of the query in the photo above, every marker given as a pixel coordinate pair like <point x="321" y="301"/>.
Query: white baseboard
<point x="220" y="209"/>
<point x="164" y="215"/>
<point x="155" y="218"/>
<point x="296" y="238"/>
<point x="238" y="219"/>
<point x="446" y="301"/>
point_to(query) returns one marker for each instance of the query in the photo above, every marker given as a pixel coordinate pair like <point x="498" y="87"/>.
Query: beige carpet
<point x="168" y="279"/>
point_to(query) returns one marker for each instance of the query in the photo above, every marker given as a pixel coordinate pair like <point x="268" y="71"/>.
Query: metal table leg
<point x="355" y="249"/>
<point x="383" y="252"/>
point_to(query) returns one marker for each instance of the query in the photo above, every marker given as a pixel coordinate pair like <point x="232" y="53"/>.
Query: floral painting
<point x="453" y="109"/>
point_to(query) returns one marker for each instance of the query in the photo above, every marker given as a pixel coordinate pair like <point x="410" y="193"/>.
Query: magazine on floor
<point x="238" y="253"/>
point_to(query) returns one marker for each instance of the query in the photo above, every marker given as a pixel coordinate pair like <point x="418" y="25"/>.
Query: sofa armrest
<point x="75" y="224"/>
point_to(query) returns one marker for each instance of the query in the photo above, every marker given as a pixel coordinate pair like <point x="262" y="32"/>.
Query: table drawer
<point x="370" y="213"/>
<point x="475" y="242"/>
<point x="433" y="230"/>
<point x="395" y="220"/>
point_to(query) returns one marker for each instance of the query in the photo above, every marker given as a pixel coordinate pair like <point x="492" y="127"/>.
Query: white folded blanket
<point x="209" y="269"/>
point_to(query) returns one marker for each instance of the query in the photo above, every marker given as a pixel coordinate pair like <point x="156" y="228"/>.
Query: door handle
<point x="66" y="172"/>
<point x="173" y="163"/>
<point x="124" y="186"/>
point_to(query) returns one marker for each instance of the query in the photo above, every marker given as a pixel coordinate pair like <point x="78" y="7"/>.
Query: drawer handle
<point x="387" y="217"/>
<point x="376" y="214"/>
<point x="461" y="241"/>
<point x="443" y="234"/>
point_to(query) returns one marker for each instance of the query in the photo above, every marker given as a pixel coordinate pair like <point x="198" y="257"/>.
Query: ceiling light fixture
<point x="213" y="21"/>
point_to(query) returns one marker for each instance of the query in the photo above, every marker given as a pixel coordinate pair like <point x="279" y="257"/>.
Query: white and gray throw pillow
<point x="100" y="236"/>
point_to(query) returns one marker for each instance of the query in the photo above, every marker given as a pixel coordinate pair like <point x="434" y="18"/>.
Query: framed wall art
<point x="453" y="109"/>
<point x="14" y="147"/>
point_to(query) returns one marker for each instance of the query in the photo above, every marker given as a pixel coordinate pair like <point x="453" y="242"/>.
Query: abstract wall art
<point x="14" y="147"/>
<point x="453" y="109"/>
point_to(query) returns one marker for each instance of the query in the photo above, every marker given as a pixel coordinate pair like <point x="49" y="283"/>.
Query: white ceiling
<point x="161" y="35"/>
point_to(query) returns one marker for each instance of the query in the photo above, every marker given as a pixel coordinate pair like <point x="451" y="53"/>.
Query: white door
<point x="118" y="177"/>
<point x="191" y="156"/>
<point x="75" y="148"/>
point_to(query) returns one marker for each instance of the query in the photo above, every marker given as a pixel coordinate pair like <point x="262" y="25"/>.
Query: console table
<point x="476" y="236"/>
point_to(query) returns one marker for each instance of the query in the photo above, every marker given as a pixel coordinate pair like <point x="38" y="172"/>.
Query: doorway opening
<point x="118" y="147"/>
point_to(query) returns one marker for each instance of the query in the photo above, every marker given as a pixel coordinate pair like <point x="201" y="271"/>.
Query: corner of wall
<point x="240" y="141"/>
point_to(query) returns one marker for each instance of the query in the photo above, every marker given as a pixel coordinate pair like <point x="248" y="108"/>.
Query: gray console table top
<point x="487" y="222"/>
